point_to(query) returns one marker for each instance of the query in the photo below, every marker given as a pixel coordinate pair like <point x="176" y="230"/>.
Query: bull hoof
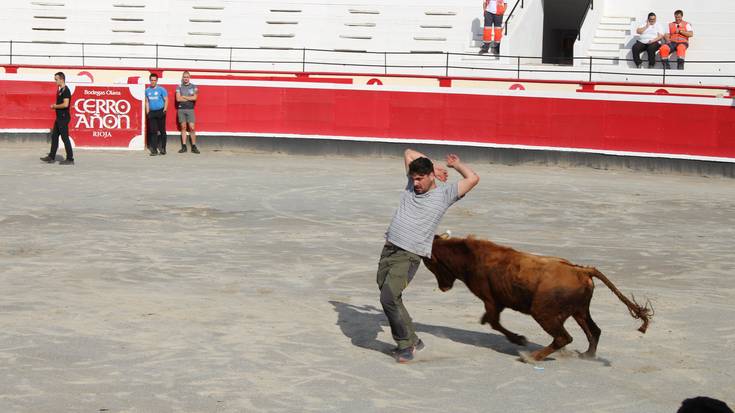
<point x="587" y="355"/>
<point x="519" y="340"/>
<point x="538" y="355"/>
<point x="526" y="357"/>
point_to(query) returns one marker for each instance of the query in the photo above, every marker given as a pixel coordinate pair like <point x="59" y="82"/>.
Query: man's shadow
<point x="362" y="324"/>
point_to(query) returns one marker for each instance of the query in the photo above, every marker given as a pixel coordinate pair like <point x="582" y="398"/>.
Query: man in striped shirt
<point x="411" y="235"/>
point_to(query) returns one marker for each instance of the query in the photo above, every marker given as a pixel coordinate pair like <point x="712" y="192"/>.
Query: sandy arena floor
<point x="239" y="282"/>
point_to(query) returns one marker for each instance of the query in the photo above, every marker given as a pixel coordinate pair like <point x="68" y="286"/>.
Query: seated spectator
<point x="676" y="39"/>
<point x="649" y="40"/>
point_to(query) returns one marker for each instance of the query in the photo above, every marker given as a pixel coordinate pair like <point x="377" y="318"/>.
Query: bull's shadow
<point x="362" y="324"/>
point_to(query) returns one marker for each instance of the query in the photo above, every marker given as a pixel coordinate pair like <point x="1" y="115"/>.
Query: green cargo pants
<point x="395" y="270"/>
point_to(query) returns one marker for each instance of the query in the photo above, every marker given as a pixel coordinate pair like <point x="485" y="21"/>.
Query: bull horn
<point x="446" y="235"/>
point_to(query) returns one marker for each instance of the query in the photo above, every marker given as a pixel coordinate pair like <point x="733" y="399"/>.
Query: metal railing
<point x="172" y="57"/>
<point x="513" y="10"/>
<point x="590" y="6"/>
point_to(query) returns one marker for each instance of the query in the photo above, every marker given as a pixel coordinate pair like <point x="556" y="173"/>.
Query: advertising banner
<point x="108" y="116"/>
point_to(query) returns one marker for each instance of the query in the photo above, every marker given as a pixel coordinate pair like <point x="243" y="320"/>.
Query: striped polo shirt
<point x="417" y="217"/>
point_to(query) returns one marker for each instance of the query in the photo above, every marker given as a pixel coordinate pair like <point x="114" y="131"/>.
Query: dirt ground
<point x="241" y="281"/>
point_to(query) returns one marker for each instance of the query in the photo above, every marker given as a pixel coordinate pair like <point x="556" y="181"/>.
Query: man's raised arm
<point x="469" y="177"/>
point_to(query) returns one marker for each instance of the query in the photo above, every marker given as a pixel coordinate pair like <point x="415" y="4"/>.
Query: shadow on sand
<point x="362" y="324"/>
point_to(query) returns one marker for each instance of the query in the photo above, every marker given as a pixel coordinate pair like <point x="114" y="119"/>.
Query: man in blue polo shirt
<point x="156" y="103"/>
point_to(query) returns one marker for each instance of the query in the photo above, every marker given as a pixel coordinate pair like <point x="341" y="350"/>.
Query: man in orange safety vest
<point x="493" y="10"/>
<point x="677" y="39"/>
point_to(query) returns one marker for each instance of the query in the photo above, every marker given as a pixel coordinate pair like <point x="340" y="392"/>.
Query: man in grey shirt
<point x="410" y="237"/>
<point x="186" y="98"/>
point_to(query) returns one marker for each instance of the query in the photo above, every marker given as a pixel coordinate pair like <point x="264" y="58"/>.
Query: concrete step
<point x="475" y="56"/>
<point x="605" y="62"/>
<point x="612" y="54"/>
<point x="585" y="64"/>
<point x="616" y="20"/>
<point x="609" y="40"/>
<point x="615" y="27"/>
<point x="610" y="33"/>
<point x="605" y="46"/>
<point x="485" y="60"/>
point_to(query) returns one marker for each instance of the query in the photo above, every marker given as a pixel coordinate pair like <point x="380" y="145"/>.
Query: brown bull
<point x="550" y="289"/>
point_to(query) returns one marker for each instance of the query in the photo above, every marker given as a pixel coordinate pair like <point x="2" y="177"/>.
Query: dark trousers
<point x="651" y="48"/>
<point x="493" y="19"/>
<point x="395" y="271"/>
<point x="156" y="126"/>
<point x="61" y="128"/>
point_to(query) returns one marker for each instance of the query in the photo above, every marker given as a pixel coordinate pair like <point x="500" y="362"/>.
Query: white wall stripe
<point x="602" y="96"/>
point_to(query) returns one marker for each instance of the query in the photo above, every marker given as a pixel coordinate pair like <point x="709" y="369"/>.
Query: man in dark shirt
<point x="61" y="124"/>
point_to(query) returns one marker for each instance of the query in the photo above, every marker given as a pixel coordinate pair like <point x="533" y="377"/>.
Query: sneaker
<point x="67" y="162"/>
<point x="154" y="153"/>
<point x="48" y="159"/>
<point x="680" y="64"/>
<point x="484" y="49"/>
<point x="162" y="151"/>
<point x="417" y="347"/>
<point x="194" y="149"/>
<point x="405" y="355"/>
<point x="183" y="149"/>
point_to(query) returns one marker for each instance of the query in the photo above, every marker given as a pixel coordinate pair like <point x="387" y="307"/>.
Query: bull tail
<point x="642" y="312"/>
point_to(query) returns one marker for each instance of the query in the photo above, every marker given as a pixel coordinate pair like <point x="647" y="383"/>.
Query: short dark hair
<point x="152" y="76"/>
<point x="60" y="75"/>
<point x="703" y="404"/>
<point x="651" y="14"/>
<point x="420" y="166"/>
<point x="678" y="12"/>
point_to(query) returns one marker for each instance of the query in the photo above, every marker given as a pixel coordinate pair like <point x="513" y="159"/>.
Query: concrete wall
<point x="360" y="25"/>
<point x="377" y="25"/>
<point x="525" y="37"/>
<point x="587" y="32"/>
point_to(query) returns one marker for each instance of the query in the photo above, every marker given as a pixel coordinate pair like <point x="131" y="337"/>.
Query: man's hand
<point x="452" y="160"/>
<point x="469" y="177"/>
<point x="441" y="173"/>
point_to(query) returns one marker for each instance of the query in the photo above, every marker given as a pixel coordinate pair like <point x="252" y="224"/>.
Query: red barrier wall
<point x="25" y="105"/>
<point x="688" y="127"/>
